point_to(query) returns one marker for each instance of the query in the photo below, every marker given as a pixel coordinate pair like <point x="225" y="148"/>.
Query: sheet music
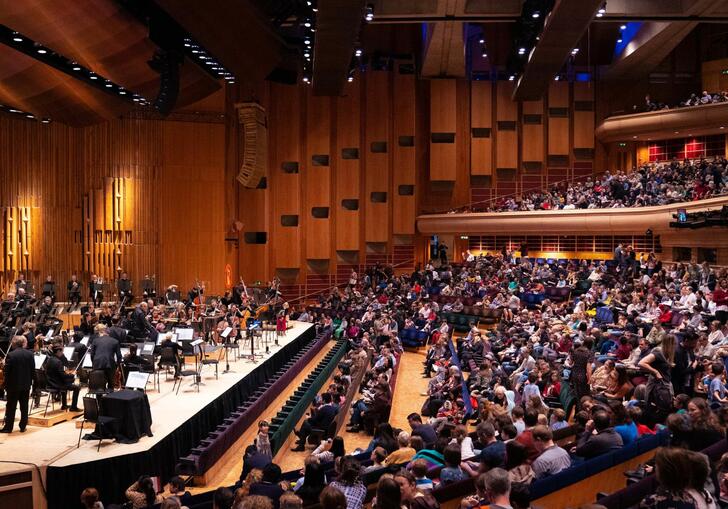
<point x="148" y="348"/>
<point x="49" y="334"/>
<point x="68" y="352"/>
<point x="124" y="352"/>
<point x="39" y="360"/>
<point x="226" y="332"/>
<point x="197" y="342"/>
<point x="184" y="334"/>
<point x="136" y="380"/>
<point x="87" y="362"/>
<point x="85" y="340"/>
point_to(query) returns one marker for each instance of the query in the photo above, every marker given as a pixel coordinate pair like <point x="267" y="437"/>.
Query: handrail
<point x="328" y="289"/>
<point x="510" y="195"/>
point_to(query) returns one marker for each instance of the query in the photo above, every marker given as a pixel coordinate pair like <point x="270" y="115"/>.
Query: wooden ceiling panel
<point x="101" y="36"/>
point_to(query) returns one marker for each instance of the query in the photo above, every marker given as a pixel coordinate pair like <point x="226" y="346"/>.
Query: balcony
<point x="615" y="221"/>
<point x="664" y="124"/>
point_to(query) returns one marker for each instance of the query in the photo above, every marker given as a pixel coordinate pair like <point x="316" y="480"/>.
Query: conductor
<point x="19" y="376"/>
<point x="105" y="354"/>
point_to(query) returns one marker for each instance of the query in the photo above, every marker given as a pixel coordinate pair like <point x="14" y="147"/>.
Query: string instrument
<point x="197" y="301"/>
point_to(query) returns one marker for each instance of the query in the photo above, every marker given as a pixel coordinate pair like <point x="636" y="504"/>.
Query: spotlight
<point x="14" y="110"/>
<point x="619" y="41"/>
<point x="76" y="67"/>
<point x="536" y="15"/>
<point x="305" y="79"/>
<point x="481" y="41"/>
<point x="623" y="27"/>
<point x="521" y="51"/>
<point x="358" y="52"/>
<point x="29" y="115"/>
<point x="369" y="16"/>
<point x="485" y="55"/>
<point x="122" y="92"/>
<point x="307" y="24"/>
<point x="600" y="14"/>
<point x="16" y="37"/>
<point x="42" y="51"/>
<point x="109" y="85"/>
<point x="557" y="77"/>
<point x="575" y="51"/>
<point x="187" y="45"/>
<point x="45" y="121"/>
<point x="195" y="51"/>
<point x="306" y="42"/>
<point x="511" y="77"/>
<point x="350" y="79"/>
<point x="94" y="77"/>
<point x="602" y="9"/>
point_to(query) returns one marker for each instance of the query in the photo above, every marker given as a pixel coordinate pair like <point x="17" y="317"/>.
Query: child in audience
<point x="558" y="419"/>
<point x="452" y="472"/>
<point x="419" y="470"/>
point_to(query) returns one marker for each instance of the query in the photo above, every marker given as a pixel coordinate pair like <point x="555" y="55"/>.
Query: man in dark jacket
<point x="105" y="354"/>
<point x="321" y="418"/>
<point x="19" y="376"/>
<point x="60" y="380"/>
<point x="683" y="372"/>
<point x="140" y="325"/>
<point x="605" y="439"/>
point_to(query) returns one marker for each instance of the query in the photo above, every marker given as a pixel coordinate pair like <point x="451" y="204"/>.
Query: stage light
<point x="350" y="79"/>
<point x="358" y="52"/>
<point x="536" y="15"/>
<point x="511" y="77"/>
<point x="305" y="79"/>
<point x="16" y="37"/>
<point x="306" y="42"/>
<point x="307" y="24"/>
<point x="623" y="27"/>
<point x="521" y="51"/>
<point x="575" y="51"/>
<point x="557" y="78"/>
<point x="195" y="51"/>
<point x="42" y="51"/>
<point x="599" y="14"/>
<point x="14" y="110"/>
<point x="76" y="67"/>
<point x="94" y="77"/>
<point x="46" y="121"/>
<point x="485" y="55"/>
<point x="122" y="92"/>
<point x="109" y="85"/>
<point x="29" y="115"/>
<point x="369" y="16"/>
<point x="619" y="41"/>
<point x="481" y="41"/>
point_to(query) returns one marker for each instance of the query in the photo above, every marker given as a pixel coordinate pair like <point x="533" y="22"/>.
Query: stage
<point x="179" y="421"/>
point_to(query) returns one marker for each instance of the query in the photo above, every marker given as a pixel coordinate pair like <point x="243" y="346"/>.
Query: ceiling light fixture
<point x="536" y="15"/>
<point x="623" y="27"/>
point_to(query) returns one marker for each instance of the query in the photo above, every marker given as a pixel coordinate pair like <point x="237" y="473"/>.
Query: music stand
<point x="250" y="334"/>
<point x="198" y="367"/>
<point x="228" y="346"/>
<point x="137" y="380"/>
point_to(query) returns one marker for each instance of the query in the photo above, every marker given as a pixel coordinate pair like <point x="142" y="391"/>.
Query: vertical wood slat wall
<point x="134" y="191"/>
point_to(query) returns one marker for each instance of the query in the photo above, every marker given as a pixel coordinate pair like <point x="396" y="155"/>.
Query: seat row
<point x="210" y="449"/>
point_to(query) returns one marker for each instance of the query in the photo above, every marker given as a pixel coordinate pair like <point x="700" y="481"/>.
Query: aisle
<point x="230" y="466"/>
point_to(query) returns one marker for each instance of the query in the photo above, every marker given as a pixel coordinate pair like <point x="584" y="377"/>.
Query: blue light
<point x="627" y="35"/>
<point x="583" y="76"/>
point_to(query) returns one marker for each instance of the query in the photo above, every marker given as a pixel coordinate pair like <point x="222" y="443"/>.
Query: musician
<point x="150" y="288"/>
<point x="196" y="291"/>
<point x="78" y="347"/>
<point x="117" y="332"/>
<point x="21" y="283"/>
<point x="96" y="294"/>
<point x="105" y="354"/>
<point x="140" y="326"/>
<point x="123" y="287"/>
<point x="74" y="291"/>
<point x="60" y="380"/>
<point x="29" y="334"/>
<point x="106" y="315"/>
<point x="171" y="296"/>
<point x="88" y="320"/>
<point x="168" y="343"/>
<point x="49" y="288"/>
<point x="47" y="307"/>
<point x="238" y="293"/>
<point x="19" y="376"/>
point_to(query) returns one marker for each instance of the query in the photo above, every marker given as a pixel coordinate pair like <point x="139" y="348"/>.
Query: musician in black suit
<point x="140" y="326"/>
<point x="95" y="292"/>
<point x="123" y="286"/>
<point x="19" y="376"/>
<point x="105" y="354"/>
<point x="21" y="283"/>
<point x="117" y="332"/>
<point x="49" y="288"/>
<point x="321" y="418"/>
<point x="74" y="291"/>
<point x="60" y="380"/>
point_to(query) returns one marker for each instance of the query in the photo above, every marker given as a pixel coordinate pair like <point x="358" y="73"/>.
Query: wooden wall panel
<point x="506" y="139"/>
<point x="533" y="134"/>
<point x="481" y="117"/>
<point x="285" y="147"/>
<point x="403" y="215"/>
<point x="317" y="176"/>
<point x="558" y="126"/>
<point x="583" y="120"/>
<point x="443" y="157"/>
<point x="348" y="171"/>
<point x="377" y="171"/>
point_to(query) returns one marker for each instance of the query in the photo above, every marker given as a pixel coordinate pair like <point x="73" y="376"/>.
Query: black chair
<point x="318" y="434"/>
<point x="213" y="360"/>
<point x="148" y="367"/>
<point x="168" y="359"/>
<point x="42" y="387"/>
<point x="91" y="413"/>
<point x="97" y="383"/>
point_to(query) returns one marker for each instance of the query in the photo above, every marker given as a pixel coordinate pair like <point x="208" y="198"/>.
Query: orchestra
<point x="33" y="327"/>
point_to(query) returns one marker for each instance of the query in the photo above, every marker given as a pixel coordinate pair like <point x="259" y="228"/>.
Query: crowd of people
<point x="641" y="350"/>
<point x="694" y="100"/>
<point x="649" y="185"/>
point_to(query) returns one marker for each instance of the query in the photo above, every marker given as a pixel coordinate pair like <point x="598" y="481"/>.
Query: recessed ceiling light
<point x="46" y="121"/>
<point x="109" y="85"/>
<point x="536" y="15"/>
<point x="14" y="110"/>
<point x="485" y="55"/>
<point x="94" y="77"/>
<point x="619" y="40"/>
<point x="29" y="115"/>
<point x="17" y="38"/>
<point x="599" y="14"/>
<point x="623" y="27"/>
<point x="481" y="41"/>
<point x="76" y="67"/>
<point x="42" y="51"/>
<point x="350" y="79"/>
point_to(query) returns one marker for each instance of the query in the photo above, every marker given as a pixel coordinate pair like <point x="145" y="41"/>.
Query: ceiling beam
<point x="235" y="33"/>
<point x="564" y="27"/>
<point x="338" y="23"/>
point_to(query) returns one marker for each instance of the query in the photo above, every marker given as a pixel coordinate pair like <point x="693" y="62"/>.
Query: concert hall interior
<point x="276" y="254"/>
